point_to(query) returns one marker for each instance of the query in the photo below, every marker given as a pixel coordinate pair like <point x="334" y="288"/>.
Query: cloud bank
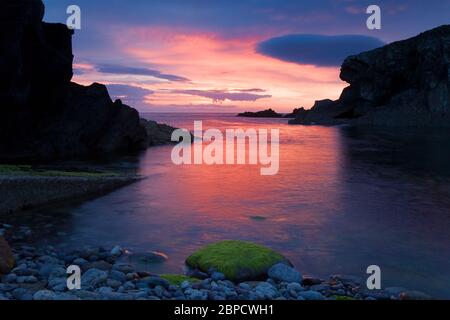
<point x="318" y="50"/>
<point x="118" y="69"/>
<point x="129" y="94"/>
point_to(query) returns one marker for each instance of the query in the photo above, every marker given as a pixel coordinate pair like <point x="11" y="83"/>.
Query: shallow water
<point x="344" y="199"/>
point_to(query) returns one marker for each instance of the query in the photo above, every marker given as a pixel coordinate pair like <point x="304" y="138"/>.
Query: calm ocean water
<point x="344" y="199"/>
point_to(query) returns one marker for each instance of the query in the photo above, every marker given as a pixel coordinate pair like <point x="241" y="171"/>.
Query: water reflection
<point x="344" y="199"/>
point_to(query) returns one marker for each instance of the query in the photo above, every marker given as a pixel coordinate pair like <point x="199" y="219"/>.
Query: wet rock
<point x="311" y="295"/>
<point x="117" y="275"/>
<point x="215" y="276"/>
<point x="116" y="251"/>
<point x="267" y="291"/>
<point x="153" y="282"/>
<point x="123" y="267"/>
<point x="150" y="257"/>
<point x="93" y="277"/>
<point x="282" y="272"/>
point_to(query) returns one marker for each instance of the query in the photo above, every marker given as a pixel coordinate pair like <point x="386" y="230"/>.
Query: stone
<point x="93" y="277"/>
<point x="311" y="295"/>
<point x="116" y="251"/>
<point x="320" y="287"/>
<point x="119" y="276"/>
<point x="150" y="257"/>
<point x="194" y="294"/>
<point x="217" y="276"/>
<point x="123" y="267"/>
<point x="113" y="283"/>
<point x="22" y="294"/>
<point x="283" y="272"/>
<point x="7" y="260"/>
<point x="266" y="291"/>
<point x="295" y="286"/>
<point x="100" y="265"/>
<point x="45" y="295"/>
<point x="154" y="281"/>
<point x="10" y="278"/>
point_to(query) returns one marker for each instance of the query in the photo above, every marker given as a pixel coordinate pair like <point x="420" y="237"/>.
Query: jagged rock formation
<point x="297" y="112"/>
<point x="406" y="83"/>
<point x="43" y="114"/>
<point x="269" y="113"/>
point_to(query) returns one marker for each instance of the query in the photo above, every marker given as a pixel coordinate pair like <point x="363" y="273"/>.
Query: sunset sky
<point x="229" y="56"/>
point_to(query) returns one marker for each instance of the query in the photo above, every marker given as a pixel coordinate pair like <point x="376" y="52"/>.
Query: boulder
<point x="7" y="261"/>
<point x="405" y="83"/>
<point x="284" y="273"/>
<point x="239" y="261"/>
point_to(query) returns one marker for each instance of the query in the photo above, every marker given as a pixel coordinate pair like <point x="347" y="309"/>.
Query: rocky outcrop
<point x="43" y="114"/>
<point x="297" y="112"/>
<point x="158" y="134"/>
<point x="406" y="83"/>
<point x="6" y="257"/>
<point x="269" y="113"/>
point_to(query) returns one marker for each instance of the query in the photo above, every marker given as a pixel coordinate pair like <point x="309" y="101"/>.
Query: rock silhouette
<point x="269" y="113"/>
<point x="406" y="83"/>
<point x="44" y="115"/>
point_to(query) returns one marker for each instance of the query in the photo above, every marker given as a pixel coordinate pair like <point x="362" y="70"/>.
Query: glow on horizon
<point x="212" y="62"/>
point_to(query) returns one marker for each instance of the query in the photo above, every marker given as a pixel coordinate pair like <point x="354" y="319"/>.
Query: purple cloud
<point x="222" y="95"/>
<point x="319" y="50"/>
<point x="118" y="69"/>
<point x="129" y="94"/>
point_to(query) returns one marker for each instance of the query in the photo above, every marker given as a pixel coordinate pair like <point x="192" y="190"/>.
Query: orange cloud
<point x="213" y="63"/>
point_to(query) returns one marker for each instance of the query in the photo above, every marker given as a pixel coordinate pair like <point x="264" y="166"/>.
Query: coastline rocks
<point x="282" y="272"/>
<point x="158" y="134"/>
<point x="405" y="83"/>
<point x="7" y="260"/>
<point x="269" y="113"/>
<point x="238" y="260"/>
<point x="138" y="285"/>
<point x="45" y="116"/>
<point x="297" y="113"/>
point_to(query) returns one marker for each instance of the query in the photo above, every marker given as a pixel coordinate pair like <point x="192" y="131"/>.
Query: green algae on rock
<point x="237" y="260"/>
<point x="178" y="279"/>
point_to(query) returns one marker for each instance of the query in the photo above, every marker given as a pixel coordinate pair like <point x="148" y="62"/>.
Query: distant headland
<point x="403" y="84"/>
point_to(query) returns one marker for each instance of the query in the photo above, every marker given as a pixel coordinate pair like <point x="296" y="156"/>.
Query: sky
<point x="231" y="55"/>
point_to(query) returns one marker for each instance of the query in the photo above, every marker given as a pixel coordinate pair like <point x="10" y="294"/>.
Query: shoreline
<point x="40" y="274"/>
<point x="24" y="191"/>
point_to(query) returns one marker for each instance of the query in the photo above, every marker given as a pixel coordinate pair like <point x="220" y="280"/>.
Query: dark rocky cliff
<point x="406" y="83"/>
<point x="43" y="114"/>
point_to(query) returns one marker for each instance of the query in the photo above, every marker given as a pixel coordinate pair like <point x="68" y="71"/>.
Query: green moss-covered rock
<point x="237" y="260"/>
<point x="178" y="279"/>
